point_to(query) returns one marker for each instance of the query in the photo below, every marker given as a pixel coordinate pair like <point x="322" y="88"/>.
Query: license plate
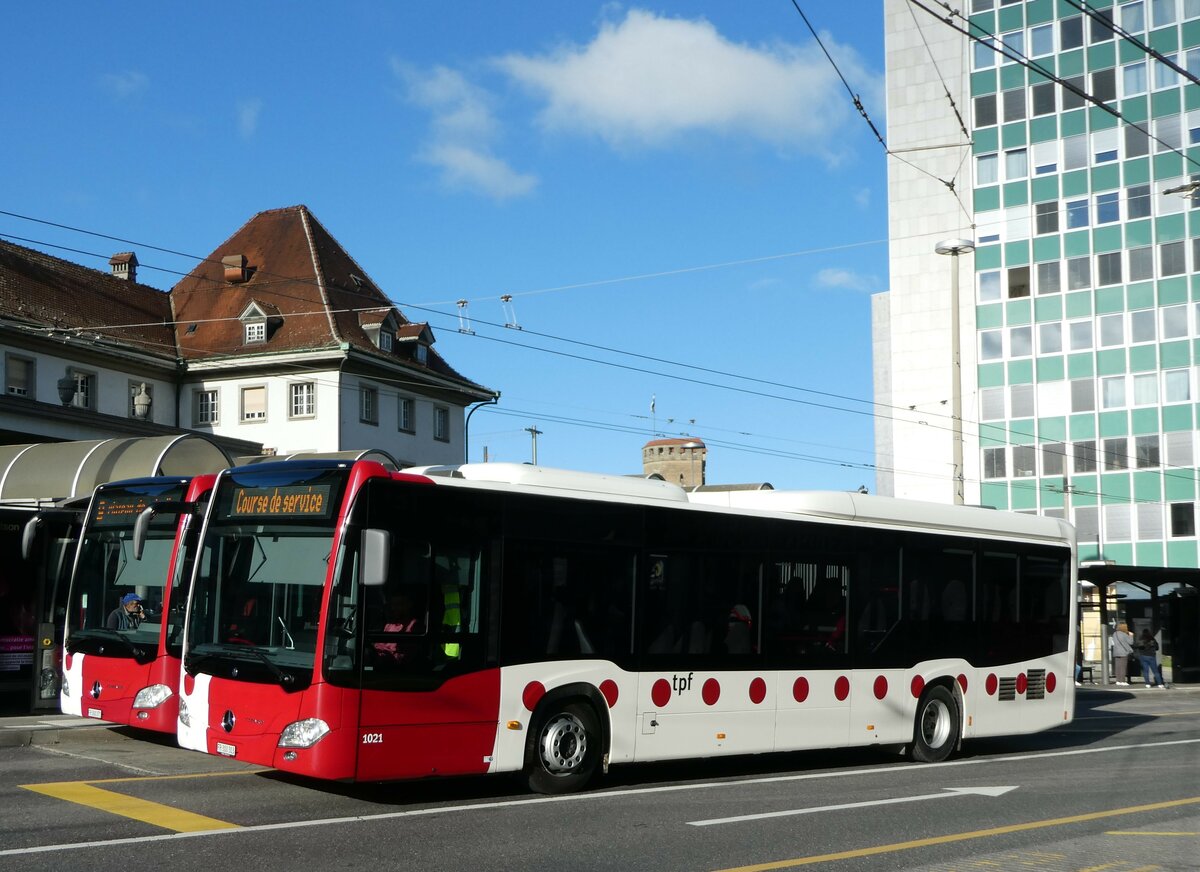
<point x="226" y="750"/>
<point x="95" y="713"/>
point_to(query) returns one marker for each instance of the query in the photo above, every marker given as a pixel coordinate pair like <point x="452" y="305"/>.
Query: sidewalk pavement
<point x="43" y="729"/>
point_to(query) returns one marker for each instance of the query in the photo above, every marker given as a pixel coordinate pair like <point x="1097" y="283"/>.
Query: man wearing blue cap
<point x="127" y="615"/>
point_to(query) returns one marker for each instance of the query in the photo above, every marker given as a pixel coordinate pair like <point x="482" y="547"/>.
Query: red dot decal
<point x="534" y="691"/>
<point x="1051" y="682"/>
<point x="711" y="692"/>
<point x="661" y="692"/>
<point x="758" y="691"/>
<point x="962" y="682"/>
<point x="880" y="687"/>
<point x="841" y="687"/>
<point x="1022" y="683"/>
<point x="991" y="684"/>
<point x="608" y="687"/>
<point x="917" y="686"/>
<point x="800" y="689"/>
<point x="189" y="683"/>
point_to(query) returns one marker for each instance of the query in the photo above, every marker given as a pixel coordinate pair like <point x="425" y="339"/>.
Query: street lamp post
<point x="953" y="248"/>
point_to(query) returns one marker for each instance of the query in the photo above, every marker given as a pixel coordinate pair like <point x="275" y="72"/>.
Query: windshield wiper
<point x="282" y="677"/>
<point x="105" y="635"/>
<point x="219" y="652"/>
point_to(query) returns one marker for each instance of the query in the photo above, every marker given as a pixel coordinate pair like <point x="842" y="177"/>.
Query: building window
<point x="1133" y="79"/>
<point x="1041" y="40"/>
<point x="1020" y="341"/>
<point x="993" y="463"/>
<point x="1133" y="17"/>
<point x="1116" y="454"/>
<point x="1021" y="400"/>
<point x="1083" y="395"/>
<point x="1183" y="520"/>
<point x="1070" y="33"/>
<point x="206" y="408"/>
<point x="1104" y="84"/>
<point x="441" y="424"/>
<point x="1085" y="456"/>
<point x="1045" y="157"/>
<point x="1168" y="133"/>
<point x="985" y="110"/>
<point x="1141" y="263"/>
<point x="991" y="404"/>
<point x="1149" y="521"/>
<point x="368" y="405"/>
<point x="989" y="286"/>
<point x="1075" y="152"/>
<point x="1145" y="389"/>
<point x="984" y="55"/>
<point x="1044" y="101"/>
<point x="1112" y="330"/>
<point x="1024" y="461"/>
<point x="1137" y="142"/>
<point x="1018" y="282"/>
<point x="1079" y="273"/>
<point x="1108" y="207"/>
<point x="254" y="404"/>
<point x="1016" y="164"/>
<point x="987" y="170"/>
<point x="1146" y="451"/>
<point x="1049" y="278"/>
<point x="1101" y="27"/>
<point x="1179" y="449"/>
<point x="1142" y="326"/>
<point x="422" y="353"/>
<point x="1162" y="12"/>
<point x="19" y="377"/>
<point x="256" y="331"/>
<point x="302" y="402"/>
<point x="1053" y="455"/>
<point x="1177" y="386"/>
<point x="1078" y="214"/>
<point x="1174" y="322"/>
<point x="1072" y="97"/>
<point x="385" y="341"/>
<point x="991" y="345"/>
<point x="1046" y="217"/>
<point x="1050" y="338"/>
<point x="1164" y="76"/>
<point x="1112" y="392"/>
<point x="1108" y="268"/>
<point x="406" y="416"/>
<point x="85" y="390"/>
<point x="1014" y="105"/>
<point x="1172" y="259"/>
<point x="1081" y="335"/>
<point x="1138" y="203"/>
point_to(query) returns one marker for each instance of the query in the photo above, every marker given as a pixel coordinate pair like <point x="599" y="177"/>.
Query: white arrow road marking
<point x="948" y="792"/>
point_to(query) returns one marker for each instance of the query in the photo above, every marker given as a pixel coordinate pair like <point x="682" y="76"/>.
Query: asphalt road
<point x="1117" y="790"/>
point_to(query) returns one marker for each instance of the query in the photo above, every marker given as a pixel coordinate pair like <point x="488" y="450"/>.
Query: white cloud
<point x="126" y="85"/>
<point x="847" y="280"/>
<point x="247" y="117"/>
<point x="462" y="129"/>
<point x="648" y="80"/>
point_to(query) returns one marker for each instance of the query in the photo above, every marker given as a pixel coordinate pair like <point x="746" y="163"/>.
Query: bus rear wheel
<point x="565" y="749"/>
<point x="936" y="730"/>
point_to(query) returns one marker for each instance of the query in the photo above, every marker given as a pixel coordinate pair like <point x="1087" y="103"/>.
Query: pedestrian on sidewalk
<point x="1147" y="649"/>
<point x="1122" y="650"/>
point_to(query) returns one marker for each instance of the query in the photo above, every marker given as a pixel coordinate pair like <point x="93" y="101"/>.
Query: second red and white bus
<point x="130" y="675"/>
<point x="346" y="622"/>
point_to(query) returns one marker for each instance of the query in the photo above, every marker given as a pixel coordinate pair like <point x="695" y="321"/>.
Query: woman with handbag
<point x="1122" y="649"/>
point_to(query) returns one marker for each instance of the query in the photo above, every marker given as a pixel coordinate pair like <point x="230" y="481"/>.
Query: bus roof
<point x="826" y="505"/>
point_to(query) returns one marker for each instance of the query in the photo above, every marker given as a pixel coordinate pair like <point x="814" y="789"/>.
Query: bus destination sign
<point x="120" y="506"/>
<point x="297" y="501"/>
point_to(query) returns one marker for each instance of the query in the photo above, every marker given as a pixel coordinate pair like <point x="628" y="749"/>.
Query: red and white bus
<point x="130" y="675"/>
<point x="349" y="623"/>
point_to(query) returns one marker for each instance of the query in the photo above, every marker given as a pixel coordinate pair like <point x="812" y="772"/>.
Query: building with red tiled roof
<point x="278" y="338"/>
<point x="681" y="461"/>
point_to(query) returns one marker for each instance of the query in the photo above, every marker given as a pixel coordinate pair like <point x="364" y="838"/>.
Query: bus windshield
<point x="260" y="572"/>
<point x="106" y="573"/>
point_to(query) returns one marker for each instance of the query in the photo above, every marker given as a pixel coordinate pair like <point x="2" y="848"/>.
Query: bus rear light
<point x="303" y="734"/>
<point x="152" y="696"/>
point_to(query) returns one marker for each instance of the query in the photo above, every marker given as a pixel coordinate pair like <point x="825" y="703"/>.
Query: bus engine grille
<point x="1008" y="689"/>
<point x="1036" y="687"/>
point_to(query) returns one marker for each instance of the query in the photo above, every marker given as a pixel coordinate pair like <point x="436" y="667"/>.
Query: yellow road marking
<point x="1146" y="833"/>
<point x="961" y="837"/>
<point x="143" y="810"/>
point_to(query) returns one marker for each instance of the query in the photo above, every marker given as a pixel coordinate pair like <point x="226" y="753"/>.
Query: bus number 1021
<point x="372" y="738"/>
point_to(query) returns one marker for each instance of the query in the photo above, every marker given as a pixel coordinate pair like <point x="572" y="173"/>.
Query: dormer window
<point x="256" y="331"/>
<point x="259" y="321"/>
<point x="385" y="340"/>
<point x="422" y="353"/>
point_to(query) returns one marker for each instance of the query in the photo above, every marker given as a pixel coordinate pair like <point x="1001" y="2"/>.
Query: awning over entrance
<point x="375" y="454"/>
<point x="60" y="470"/>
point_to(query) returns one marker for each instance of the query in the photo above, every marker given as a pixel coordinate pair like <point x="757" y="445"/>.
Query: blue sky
<point x="689" y="183"/>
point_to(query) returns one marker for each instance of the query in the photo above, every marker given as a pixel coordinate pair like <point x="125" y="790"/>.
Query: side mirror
<point x="376" y="556"/>
<point x="29" y="535"/>
<point x="142" y="526"/>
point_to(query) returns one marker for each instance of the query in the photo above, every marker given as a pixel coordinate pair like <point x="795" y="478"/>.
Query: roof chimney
<point x="124" y="265"/>
<point x="235" y="268"/>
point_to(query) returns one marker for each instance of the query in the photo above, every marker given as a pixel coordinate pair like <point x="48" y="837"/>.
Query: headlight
<point x="303" y="734"/>
<point x="152" y="696"/>
<point x="66" y="685"/>
<point x="185" y="717"/>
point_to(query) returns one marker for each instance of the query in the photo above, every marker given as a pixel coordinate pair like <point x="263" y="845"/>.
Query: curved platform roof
<point x="61" y="470"/>
<point x="376" y="454"/>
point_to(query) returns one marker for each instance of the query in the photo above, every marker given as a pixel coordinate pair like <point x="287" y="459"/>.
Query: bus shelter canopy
<point x="62" y="470"/>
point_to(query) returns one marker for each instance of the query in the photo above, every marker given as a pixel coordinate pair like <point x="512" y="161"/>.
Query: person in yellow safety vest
<point x="451" y="619"/>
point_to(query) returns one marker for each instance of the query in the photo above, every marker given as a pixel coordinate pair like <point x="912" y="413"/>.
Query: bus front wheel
<point x="936" y="730"/>
<point x="565" y="749"/>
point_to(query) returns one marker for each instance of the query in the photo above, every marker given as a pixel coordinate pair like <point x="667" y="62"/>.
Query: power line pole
<point x="535" y="433"/>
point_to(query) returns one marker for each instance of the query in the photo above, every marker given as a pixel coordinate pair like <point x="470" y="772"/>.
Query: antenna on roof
<point x="464" y="320"/>
<point x="510" y="314"/>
